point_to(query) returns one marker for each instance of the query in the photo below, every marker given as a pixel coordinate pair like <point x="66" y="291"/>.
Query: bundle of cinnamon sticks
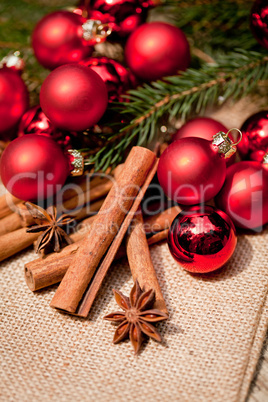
<point x="85" y="200"/>
<point x="117" y="230"/>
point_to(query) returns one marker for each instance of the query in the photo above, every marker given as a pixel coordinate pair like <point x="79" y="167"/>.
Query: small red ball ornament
<point x="58" y="39"/>
<point x="254" y="144"/>
<point x="244" y="196"/>
<point x="202" y="127"/>
<point x="73" y="97"/>
<point x="124" y="16"/>
<point x="14" y="100"/>
<point x="33" y="167"/>
<point x="34" y="121"/>
<point x="156" y="50"/>
<point x="259" y="22"/>
<point x="116" y="77"/>
<point x="202" y="239"/>
<point x="192" y="170"/>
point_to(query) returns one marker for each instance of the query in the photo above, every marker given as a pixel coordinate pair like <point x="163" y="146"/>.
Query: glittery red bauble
<point x="191" y="171"/>
<point x="244" y="196"/>
<point x="14" y="100"/>
<point x="123" y="16"/>
<point x="202" y="239"/>
<point x="156" y="50"/>
<point x="34" y="121"/>
<point x="58" y="39"/>
<point x="116" y="77"/>
<point x="259" y="22"/>
<point x="254" y="143"/>
<point x="73" y="97"/>
<point x="33" y="167"/>
<point x="202" y="127"/>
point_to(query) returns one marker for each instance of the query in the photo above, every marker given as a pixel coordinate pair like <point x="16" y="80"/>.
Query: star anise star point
<point x="48" y="222"/>
<point x="137" y="317"/>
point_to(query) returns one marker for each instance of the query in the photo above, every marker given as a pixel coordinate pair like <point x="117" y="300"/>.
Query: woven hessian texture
<point x="211" y="342"/>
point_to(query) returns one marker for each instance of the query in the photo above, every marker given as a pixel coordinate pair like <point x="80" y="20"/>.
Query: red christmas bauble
<point x="156" y="50"/>
<point x="202" y="239"/>
<point x="202" y="127"/>
<point x="259" y="22"/>
<point x="34" y="121"/>
<point x="73" y="97"/>
<point x="14" y="100"/>
<point x="254" y="143"/>
<point x="116" y="77"/>
<point x="191" y="171"/>
<point x="244" y="196"/>
<point x="58" y="39"/>
<point x="33" y="167"/>
<point x="123" y="16"/>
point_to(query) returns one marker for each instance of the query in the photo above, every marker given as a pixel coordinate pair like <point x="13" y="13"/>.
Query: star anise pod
<point x="137" y="316"/>
<point x="51" y="225"/>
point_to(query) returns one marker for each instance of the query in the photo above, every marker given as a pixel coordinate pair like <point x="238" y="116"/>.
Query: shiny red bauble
<point x="254" y="143"/>
<point x="116" y="77"/>
<point x="73" y="97"/>
<point x="156" y="50"/>
<point x="202" y="127"/>
<point x="33" y="167"/>
<point x="259" y="22"/>
<point x="58" y="39"/>
<point x="202" y="239"/>
<point x="244" y="196"/>
<point x="34" y="121"/>
<point x="123" y="16"/>
<point x="14" y="100"/>
<point x="191" y="171"/>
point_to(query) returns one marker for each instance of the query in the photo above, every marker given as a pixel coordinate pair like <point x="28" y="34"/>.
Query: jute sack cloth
<point x="212" y="340"/>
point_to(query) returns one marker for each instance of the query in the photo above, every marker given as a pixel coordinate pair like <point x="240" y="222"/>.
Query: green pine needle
<point x="231" y="76"/>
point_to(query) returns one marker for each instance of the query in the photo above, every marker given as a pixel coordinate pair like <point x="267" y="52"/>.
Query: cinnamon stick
<point x="105" y="228"/>
<point x="19" y="239"/>
<point x="43" y="272"/>
<point x="10" y="223"/>
<point x="13" y="242"/>
<point x="96" y="283"/>
<point x="22" y="218"/>
<point x="140" y="261"/>
<point x="7" y="202"/>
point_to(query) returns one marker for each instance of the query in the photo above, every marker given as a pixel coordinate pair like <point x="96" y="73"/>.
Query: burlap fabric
<point x="212" y="340"/>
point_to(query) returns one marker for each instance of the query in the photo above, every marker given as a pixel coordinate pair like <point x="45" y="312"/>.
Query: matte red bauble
<point x="244" y="196"/>
<point x="116" y="77"/>
<point x="34" y="121"/>
<point x="58" y="39"/>
<point x="191" y="171"/>
<point x="14" y="100"/>
<point x="73" y="97"/>
<point x="254" y="144"/>
<point x="156" y="50"/>
<point x="33" y="167"/>
<point x="259" y="22"/>
<point x="202" y="239"/>
<point x="124" y="16"/>
<point x="202" y="127"/>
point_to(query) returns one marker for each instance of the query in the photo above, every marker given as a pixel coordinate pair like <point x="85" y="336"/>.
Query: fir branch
<point x="231" y="76"/>
<point x="211" y="22"/>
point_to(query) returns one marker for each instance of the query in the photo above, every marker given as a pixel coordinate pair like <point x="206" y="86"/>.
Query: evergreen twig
<point x="232" y="76"/>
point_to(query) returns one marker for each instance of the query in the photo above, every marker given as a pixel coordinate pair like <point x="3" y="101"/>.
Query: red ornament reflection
<point x="259" y="22"/>
<point x="116" y="77"/>
<point x="254" y="144"/>
<point x="202" y="239"/>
